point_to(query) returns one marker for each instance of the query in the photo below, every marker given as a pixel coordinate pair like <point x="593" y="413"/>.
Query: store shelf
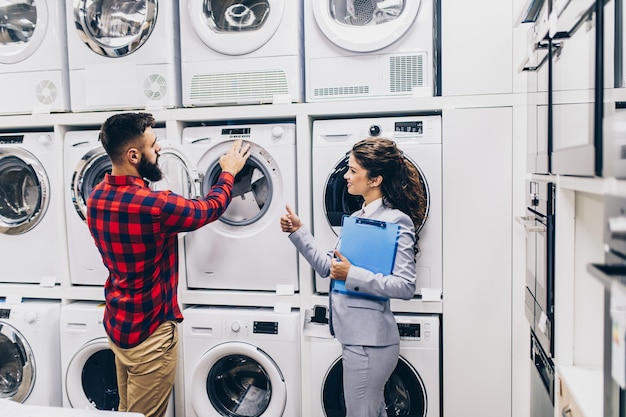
<point x="586" y="387"/>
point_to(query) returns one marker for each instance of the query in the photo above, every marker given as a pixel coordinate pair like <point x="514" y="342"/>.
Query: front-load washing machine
<point x="419" y="137"/>
<point x="87" y="362"/>
<point x="241" y="362"/>
<point x="123" y="54"/>
<point x="30" y="352"/>
<point x="85" y="164"/>
<point x="241" y="51"/>
<point x="33" y="61"/>
<point x="414" y="388"/>
<point x="31" y="208"/>
<point x="241" y="250"/>
<point x="357" y="49"/>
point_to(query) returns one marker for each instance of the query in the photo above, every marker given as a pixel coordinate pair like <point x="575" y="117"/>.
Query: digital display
<point x="236" y="131"/>
<point x="265" y="327"/>
<point x="409" y="127"/>
<point x="8" y="140"/>
<point x="409" y="330"/>
<point x="4" y="313"/>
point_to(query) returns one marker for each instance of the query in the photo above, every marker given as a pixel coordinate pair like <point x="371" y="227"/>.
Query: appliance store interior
<point x="513" y="113"/>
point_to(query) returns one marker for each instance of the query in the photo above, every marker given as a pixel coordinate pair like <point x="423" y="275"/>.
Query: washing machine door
<point x="115" y="28"/>
<point x="24" y="188"/>
<point x="364" y="25"/>
<point x="23" y="26"/>
<point x="236" y="27"/>
<point x="17" y="363"/>
<point x="338" y="202"/>
<point x="405" y="393"/>
<point x="179" y="175"/>
<point x="237" y="379"/>
<point x="89" y="172"/>
<point x="90" y="380"/>
<point x="255" y="187"/>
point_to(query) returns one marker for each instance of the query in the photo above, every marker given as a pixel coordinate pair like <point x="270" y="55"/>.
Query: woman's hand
<point x="339" y="266"/>
<point x="290" y="222"/>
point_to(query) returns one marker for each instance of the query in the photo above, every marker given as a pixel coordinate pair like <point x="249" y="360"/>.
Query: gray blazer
<point x="366" y="321"/>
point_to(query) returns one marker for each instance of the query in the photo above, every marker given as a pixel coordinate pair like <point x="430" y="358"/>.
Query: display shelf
<point x="397" y="306"/>
<point x="592" y="185"/>
<point x="31" y="291"/>
<point x="586" y="387"/>
<point x="238" y="298"/>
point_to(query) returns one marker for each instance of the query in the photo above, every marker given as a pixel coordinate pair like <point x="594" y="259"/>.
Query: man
<point x="135" y="230"/>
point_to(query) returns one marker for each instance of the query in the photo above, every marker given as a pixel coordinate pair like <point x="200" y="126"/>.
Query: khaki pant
<point x="146" y="373"/>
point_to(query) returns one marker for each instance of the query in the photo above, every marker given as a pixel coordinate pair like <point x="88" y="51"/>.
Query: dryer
<point x="240" y="250"/>
<point x="414" y="388"/>
<point x="123" y="54"/>
<point x="31" y="208"/>
<point x="241" y="362"/>
<point x="357" y="49"/>
<point x="30" y="352"/>
<point x="241" y="51"/>
<point x="419" y="137"/>
<point x="87" y="362"/>
<point x="33" y="62"/>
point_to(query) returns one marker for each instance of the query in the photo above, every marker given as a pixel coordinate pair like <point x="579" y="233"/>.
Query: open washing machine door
<point x="89" y="172"/>
<point x="114" y="28"/>
<point x="179" y="176"/>
<point x="23" y="27"/>
<point x="236" y="27"/>
<point x="24" y="188"/>
<point x="239" y="380"/>
<point x="17" y="363"/>
<point x="364" y="25"/>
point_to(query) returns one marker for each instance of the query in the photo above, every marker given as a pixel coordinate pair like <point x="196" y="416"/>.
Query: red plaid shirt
<point x="135" y="230"/>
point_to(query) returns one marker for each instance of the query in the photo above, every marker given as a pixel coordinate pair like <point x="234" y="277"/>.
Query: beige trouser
<point x="146" y="373"/>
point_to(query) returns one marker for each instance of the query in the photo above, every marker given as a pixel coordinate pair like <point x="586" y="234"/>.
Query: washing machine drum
<point x="90" y="172"/>
<point x="17" y="365"/>
<point x="24" y="24"/>
<point x="115" y="28"/>
<point x="339" y="203"/>
<point x="405" y="394"/>
<point x="24" y="191"/>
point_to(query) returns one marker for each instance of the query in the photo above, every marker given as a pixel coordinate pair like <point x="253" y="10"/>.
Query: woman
<point x="364" y="324"/>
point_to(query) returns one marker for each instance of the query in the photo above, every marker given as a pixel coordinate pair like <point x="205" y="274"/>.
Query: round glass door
<point x="90" y="172"/>
<point x="236" y="27"/>
<point x="23" y="26"/>
<point x="178" y="176"/>
<point x="405" y="394"/>
<point x="24" y="191"/>
<point x="364" y="25"/>
<point x="17" y="365"/>
<point x="338" y="202"/>
<point x="238" y="380"/>
<point x="115" y="28"/>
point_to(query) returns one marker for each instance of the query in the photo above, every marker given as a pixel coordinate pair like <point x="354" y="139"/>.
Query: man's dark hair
<point x="121" y="130"/>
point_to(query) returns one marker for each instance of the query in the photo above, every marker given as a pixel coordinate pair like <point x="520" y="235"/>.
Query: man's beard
<point x="149" y="170"/>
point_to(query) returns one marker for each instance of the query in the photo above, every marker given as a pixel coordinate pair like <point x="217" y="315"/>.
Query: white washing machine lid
<point x="114" y="28"/>
<point x="236" y="27"/>
<point x="23" y="26"/>
<point x="89" y="172"/>
<point x="364" y="25"/>
<point x="237" y="379"/>
<point x="17" y="362"/>
<point x="24" y="188"/>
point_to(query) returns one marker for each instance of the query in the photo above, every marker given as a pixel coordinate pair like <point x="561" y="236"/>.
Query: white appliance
<point x="88" y="364"/>
<point x="241" y="51"/>
<point x="30" y="352"/>
<point x="24" y="410"/>
<point x="358" y="49"/>
<point x="419" y="137"/>
<point x="240" y="250"/>
<point x="123" y="54"/>
<point x="33" y="61"/>
<point x="414" y="388"/>
<point x="31" y="208"/>
<point x="241" y="362"/>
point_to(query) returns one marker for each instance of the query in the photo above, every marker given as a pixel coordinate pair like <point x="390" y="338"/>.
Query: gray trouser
<point x="366" y="369"/>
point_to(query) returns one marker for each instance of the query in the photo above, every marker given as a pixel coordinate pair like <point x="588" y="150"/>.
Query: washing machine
<point x="123" y="54"/>
<point x="31" y="208"/>
<point x="87" y="362"/>
<point x="30" y="352"/>
<point x="241" y="51"/>
<point x="414" y="388"/>
<point x="244" y="249"/>
<point x="85" y="164"/>
<point x="33" y="62"/>
<point x="419" y="137"/>
<point x="241" y="362"/>
<point x="357" y="49"/>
